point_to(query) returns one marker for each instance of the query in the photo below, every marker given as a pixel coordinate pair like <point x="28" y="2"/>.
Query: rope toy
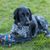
<point x="8" y="39"/>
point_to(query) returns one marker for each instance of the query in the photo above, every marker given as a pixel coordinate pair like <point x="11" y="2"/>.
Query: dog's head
<point x="22" y="14"/>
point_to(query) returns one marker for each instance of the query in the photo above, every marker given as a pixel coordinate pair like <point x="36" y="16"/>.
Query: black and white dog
<point x="28" y="25"/>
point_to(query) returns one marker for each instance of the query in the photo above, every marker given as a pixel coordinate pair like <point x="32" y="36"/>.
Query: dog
<point x="28" y="25"/>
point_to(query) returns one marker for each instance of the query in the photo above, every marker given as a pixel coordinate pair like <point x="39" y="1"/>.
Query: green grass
<point x="39" y="7"/>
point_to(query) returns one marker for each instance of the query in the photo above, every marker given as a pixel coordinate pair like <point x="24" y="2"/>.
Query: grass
<point x="39" y="7"/>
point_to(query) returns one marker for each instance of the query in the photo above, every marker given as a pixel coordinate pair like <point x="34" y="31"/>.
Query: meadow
<point x="38" y="7"/>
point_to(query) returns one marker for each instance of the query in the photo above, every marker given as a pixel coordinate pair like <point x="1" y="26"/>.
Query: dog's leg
<point x="34" y="27"/>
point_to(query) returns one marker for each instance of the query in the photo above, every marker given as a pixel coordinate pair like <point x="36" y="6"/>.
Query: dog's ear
<point x="16" y="14"/>
<point x="30" y="17"/>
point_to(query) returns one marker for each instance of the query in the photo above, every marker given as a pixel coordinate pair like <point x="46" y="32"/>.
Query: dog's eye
<point x="23" y="14"/>
<point x="27" y="14"/>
